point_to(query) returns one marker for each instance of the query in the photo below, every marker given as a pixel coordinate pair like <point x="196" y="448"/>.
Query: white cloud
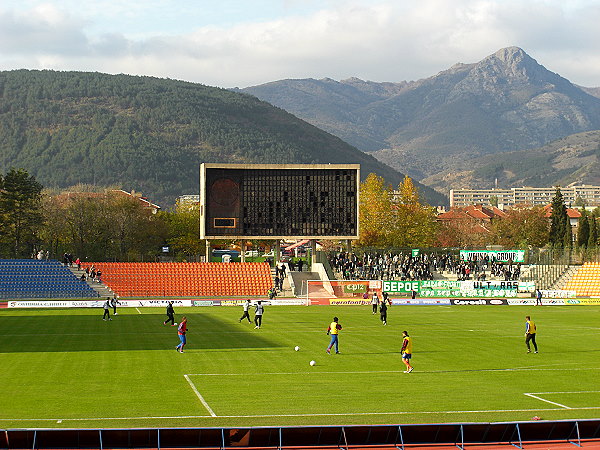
<point x="388" y="40"/>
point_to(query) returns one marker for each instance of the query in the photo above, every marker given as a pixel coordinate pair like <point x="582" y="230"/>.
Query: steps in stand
<point x="102" y="290"/>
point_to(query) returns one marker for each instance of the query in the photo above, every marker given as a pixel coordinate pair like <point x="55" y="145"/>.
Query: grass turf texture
<point x="68" y="368"/>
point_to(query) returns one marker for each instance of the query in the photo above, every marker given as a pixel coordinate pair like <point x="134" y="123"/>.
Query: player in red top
<point x="181" y="330"/>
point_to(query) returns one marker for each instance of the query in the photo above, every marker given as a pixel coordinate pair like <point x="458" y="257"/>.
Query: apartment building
<point x="524" y="196"/>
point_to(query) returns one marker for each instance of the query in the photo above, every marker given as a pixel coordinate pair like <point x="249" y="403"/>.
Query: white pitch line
<point x="315" y="372"/>
<point x="566" y="392"/>
<point x="139" y="312"/>
<point x="82" y="419"/>
<point x="206" y="405"/>
<point x="547" y="401"/>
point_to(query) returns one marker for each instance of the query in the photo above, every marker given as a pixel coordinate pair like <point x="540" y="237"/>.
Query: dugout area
<point x="550" y="434"/>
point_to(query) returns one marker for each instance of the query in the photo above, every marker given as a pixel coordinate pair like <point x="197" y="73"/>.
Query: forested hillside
<point x="151" y="134"/>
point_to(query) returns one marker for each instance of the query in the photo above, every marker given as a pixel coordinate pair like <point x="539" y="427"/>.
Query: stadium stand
<point x="31" y="279"/>
<point x="185" y="279"/>
<point x="586" y="281"/>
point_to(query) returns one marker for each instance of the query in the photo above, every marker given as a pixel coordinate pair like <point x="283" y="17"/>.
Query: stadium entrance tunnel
<point x="518" y="434"/>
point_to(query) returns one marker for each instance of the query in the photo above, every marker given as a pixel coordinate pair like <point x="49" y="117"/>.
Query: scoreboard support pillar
<point x="349" y="245"/>
<point x="277" y="252"/>
<point x="207" y="251"/>
<point x="313" y="252"/>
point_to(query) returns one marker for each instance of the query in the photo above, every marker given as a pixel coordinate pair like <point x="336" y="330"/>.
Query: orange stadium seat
<point x="185" y="279"/>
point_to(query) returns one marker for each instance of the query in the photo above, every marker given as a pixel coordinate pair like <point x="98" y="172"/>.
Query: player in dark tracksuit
<point x="246" y="315"/>
<point x="106" y="307"/>
<point x="170" y="315"/>
<point x="383" y="312"/>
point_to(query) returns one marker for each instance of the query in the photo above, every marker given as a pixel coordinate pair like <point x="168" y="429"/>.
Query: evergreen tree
<point x="559" y="222"/>
<point x="20" y="213"/>
<point x="583" y="234"/>
<point x="593" y="237"/>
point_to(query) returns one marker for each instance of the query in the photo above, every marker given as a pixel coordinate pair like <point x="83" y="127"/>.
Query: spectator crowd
<point x="408" y="267"/>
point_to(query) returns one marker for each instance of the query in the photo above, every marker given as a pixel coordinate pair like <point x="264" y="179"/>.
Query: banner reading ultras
<point x="493" y="255"/>
<point x="278" y="201"/>
<point x="458" y="289"/>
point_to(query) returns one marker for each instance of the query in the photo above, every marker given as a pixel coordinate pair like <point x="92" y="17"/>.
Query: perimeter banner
<point x="457" y="289"/>
<point x="154" y="303"/>
<point x="493" y="255"/>
<point x="421" y="301"/>
<point x="532" y="302"/>
<point x="583" y="301"/>
<point x="55" y="304"/>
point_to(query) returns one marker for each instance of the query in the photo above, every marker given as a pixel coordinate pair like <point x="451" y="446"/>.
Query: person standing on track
<point x="181" y="332"/>
<point x="170" y="315"/>
<point x="334" y="330"/>
<point x="246" y="306"/>
<point x="530" y="332"/>
<point x="406" y="351"/>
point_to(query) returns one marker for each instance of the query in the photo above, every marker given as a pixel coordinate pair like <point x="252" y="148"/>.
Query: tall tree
<point x="183" y="230"/>
<point x="414" y="224"/>
<point x="583" y="233"/>
<point x="559" y="221"/>
<point x="593" y="238"/>
<point x="521" y="228"/>
<point x="375" y="211"/>
<point x="20" y="214"/>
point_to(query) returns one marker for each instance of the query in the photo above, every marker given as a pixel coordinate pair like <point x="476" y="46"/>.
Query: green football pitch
<point x="69" y="368"/>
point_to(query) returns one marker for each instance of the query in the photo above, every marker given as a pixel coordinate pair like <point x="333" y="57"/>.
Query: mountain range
<point x="151" y="134"/>
<point x="444" y="125"/>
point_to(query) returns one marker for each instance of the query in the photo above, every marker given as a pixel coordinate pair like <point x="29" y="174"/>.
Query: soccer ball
<point x="313" y="362"/>
<point x="296" y="348"/>
<point x="175" y="323"/>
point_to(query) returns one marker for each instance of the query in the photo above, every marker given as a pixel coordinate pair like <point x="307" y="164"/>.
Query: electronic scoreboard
<point x="271" y="201"/>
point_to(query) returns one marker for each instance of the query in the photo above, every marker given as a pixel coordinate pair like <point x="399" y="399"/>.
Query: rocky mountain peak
<point x="514" y="65"/>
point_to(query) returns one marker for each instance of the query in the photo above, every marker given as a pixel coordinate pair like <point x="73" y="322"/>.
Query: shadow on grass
<point x="79" y="333"/>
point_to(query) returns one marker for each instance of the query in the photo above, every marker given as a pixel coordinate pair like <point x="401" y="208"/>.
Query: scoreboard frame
<point x="227" y="191"/>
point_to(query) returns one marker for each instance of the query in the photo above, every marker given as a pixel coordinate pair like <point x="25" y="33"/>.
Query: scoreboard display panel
<point x="273" y="201"/>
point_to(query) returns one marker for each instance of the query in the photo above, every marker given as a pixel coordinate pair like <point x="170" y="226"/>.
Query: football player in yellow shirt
<point x="334" y="330"/>
<point x="407" y="351"/>
<point x="530" y="332"/>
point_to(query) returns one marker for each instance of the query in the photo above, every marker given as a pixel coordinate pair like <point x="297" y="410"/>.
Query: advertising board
<point x="154" y="303"/>
<point x="55" y="304"/>
<point x="531" y="301"/>
<point x="582" y="301"/>
<point x="480" y="301"/>
<point x="420" y="301"/>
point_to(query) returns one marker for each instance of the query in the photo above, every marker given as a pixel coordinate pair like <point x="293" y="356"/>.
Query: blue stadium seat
<point x="24" y="279"/>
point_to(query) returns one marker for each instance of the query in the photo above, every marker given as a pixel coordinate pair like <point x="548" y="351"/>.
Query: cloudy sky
<point x="231" y="43"/>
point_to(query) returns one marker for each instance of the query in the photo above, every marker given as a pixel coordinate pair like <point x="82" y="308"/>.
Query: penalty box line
<point x="199" y="395"/>
<point x="536" y="395"/>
